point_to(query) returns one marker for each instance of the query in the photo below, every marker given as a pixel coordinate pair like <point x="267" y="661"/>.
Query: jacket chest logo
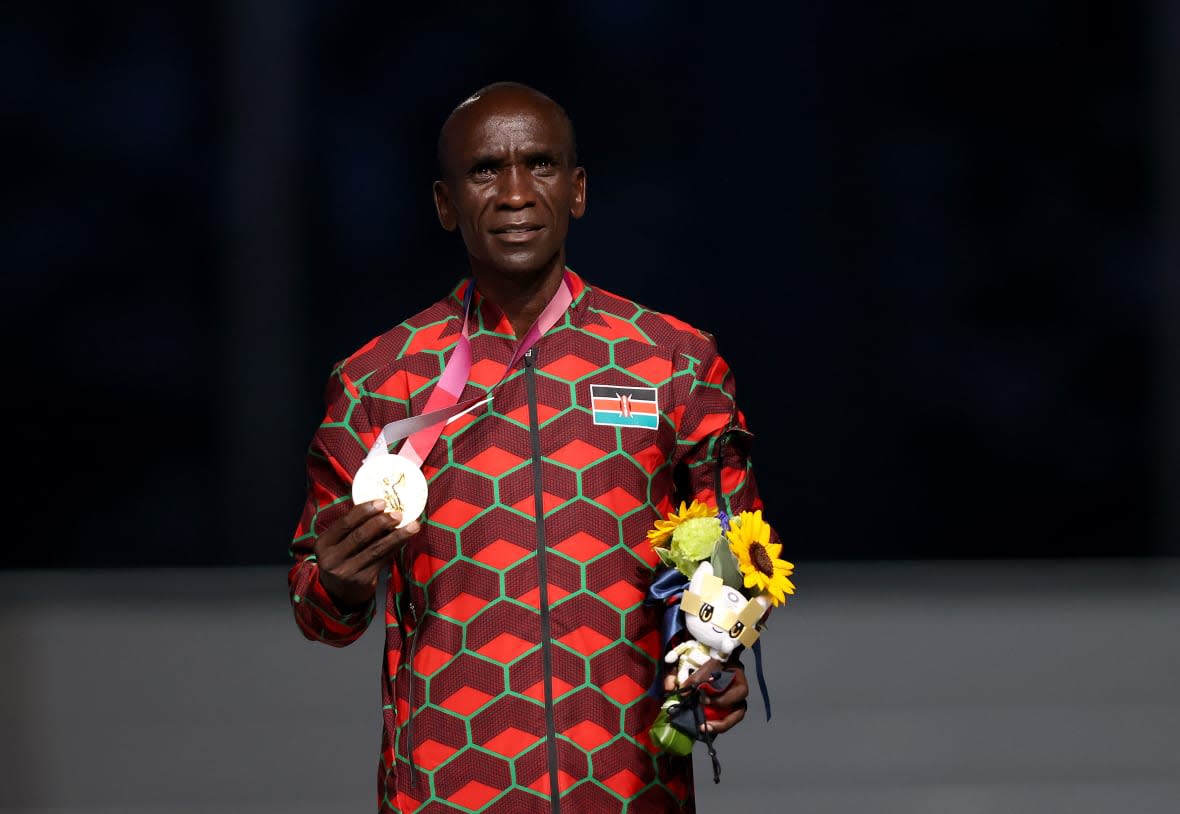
<point x="625" y="406"/>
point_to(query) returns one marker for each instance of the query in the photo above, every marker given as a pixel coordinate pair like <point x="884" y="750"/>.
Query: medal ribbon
<point x="443" y="406"/>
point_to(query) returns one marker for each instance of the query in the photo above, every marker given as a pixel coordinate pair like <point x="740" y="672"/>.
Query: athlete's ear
<point x="578" y="200"/>
<point x="697" y="583"/>
<point x="442" y="204"/>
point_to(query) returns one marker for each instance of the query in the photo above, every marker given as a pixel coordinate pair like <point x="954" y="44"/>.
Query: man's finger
<point x="352" y="519"/>
<point x="345" y="525"/>
<point x="361" y="537"/>
<point x="735" y="693"/>
<point x="726" y="723"/>
<point x="704" y="673"/>
<point x="381" y="550"/>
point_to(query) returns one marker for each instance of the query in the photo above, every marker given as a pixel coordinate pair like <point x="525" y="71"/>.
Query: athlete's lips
<point x="517" y="232"/>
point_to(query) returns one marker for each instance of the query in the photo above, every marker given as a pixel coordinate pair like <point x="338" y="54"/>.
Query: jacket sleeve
<point x="335" y="453"/>
<point x="712" y="460"/>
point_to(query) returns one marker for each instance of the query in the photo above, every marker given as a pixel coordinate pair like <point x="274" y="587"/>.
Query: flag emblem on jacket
<point x="625" y="406"/>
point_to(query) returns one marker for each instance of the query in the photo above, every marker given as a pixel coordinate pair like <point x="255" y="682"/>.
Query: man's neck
<point x="521" y="296"/>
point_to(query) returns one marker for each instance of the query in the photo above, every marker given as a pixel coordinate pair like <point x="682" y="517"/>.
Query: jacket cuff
<point x="318" y="597"/>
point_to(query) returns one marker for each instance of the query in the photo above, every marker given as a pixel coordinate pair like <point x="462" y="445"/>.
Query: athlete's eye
<point x="482" y="172"/>
<point x="543" y="164"/>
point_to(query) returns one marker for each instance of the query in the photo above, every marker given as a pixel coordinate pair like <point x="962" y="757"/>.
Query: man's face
<point x="509" y="185"/>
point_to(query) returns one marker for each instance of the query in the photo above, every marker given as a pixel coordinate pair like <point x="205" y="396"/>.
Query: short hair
<point x="505" y="85"/>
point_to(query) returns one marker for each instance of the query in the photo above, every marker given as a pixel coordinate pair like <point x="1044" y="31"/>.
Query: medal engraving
<point x="395" y="480"/>
<point x="392" y="501"/>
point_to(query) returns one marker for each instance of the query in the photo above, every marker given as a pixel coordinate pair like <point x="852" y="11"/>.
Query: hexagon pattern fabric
<point x="519" y="653"/>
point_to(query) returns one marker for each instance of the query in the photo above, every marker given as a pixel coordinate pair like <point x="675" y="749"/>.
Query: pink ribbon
<point x="443" y="406"/>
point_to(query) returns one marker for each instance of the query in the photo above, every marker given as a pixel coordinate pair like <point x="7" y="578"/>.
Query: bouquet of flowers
<point x="720" y="578"/>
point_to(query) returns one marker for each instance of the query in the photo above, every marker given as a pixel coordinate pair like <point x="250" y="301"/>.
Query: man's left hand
<point x="731" y="703"/>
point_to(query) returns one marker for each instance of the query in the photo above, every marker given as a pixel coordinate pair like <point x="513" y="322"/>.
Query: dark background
<point x="937" y="243"/>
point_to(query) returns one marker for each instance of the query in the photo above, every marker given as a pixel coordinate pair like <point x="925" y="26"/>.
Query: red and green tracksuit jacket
<point x="520" y="650"/>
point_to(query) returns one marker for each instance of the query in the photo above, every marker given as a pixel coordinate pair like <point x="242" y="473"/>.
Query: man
<point x="520" y="649"/>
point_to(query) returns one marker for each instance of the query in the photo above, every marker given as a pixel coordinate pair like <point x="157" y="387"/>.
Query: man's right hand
<point x="354" y="549"/>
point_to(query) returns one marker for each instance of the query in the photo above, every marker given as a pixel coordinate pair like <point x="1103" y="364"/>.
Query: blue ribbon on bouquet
<point x="666" y="590"/>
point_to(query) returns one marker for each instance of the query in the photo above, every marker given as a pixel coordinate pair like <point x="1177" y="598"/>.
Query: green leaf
<point x="666" y="557"/>
<point x="725" y="566"/>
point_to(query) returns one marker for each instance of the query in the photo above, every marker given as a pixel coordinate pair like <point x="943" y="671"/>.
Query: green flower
<point x="694" y="541"/>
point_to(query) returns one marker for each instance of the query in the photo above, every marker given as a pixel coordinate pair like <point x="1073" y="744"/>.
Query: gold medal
<point x="395" y="480"/>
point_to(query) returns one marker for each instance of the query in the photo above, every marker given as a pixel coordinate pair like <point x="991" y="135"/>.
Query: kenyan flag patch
<point x="625" y="406"/>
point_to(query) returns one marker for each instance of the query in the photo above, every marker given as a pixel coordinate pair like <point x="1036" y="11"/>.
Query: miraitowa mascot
<point x="719" y="618"/>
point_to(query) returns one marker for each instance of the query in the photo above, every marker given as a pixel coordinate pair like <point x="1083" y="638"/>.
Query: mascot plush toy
<point x="718" y="618"/>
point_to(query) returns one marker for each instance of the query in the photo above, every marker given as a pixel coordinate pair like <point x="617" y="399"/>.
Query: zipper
<point x="410" y="711"/>
<point x="530" y="361"/>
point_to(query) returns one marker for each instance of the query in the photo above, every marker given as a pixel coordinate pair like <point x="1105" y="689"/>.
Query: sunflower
<point x="659" y="535"/>
<point x="758" y="558"/>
